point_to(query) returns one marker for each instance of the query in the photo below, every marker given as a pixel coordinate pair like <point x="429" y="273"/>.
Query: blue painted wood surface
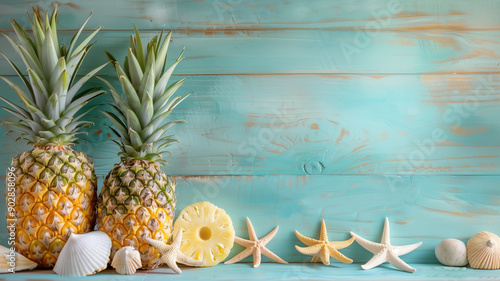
<point x="420" y="208"/>
<point x="273" y="271"/>
<point x="278" y="52"/>
<point x="323" y="124"/>
<point x="270" y="14"/>
<point x="349" y="111"/>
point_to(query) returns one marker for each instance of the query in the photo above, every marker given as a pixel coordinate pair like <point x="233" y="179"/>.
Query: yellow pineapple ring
<point x="207" y="232"/>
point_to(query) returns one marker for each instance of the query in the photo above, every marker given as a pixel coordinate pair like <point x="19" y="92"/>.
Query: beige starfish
<point x="322" y="249"/>
<point x="171" y="254"/>
<point x="385" y="252"/>
<point x="256" y="247"/>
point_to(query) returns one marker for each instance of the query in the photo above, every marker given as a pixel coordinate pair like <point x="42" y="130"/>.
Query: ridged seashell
<point x="483" y="251"/>
<point x="20" y="263"/>
<point x="84" y="254"/>
<point x="127" y="260"/>
<point x="452" y="252"/>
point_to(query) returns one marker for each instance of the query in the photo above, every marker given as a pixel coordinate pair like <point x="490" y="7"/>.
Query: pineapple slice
<point x="207" y="232"/>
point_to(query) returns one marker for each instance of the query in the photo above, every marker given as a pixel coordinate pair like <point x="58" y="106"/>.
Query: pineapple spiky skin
<point x="137" y="201"/>
<point x="55" y="187"/>
<point x="55" y="195"/>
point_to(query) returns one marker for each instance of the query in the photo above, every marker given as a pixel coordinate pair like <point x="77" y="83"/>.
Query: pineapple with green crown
<point x="55" y="187"/>
<point x="137" y="200"/>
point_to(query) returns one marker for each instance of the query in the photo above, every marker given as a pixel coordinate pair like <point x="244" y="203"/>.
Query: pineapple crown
<point x="52" y="96"/>
<point x="144" y="76"/>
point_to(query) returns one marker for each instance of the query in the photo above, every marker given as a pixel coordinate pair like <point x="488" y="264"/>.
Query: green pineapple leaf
<point x="145" y="101"/>
<point x="46" y="117"/>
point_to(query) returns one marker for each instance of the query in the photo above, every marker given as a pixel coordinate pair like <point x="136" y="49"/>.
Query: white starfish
<point x="385" y="252"/>
<point x="171" y="254"/>
<point x="256" y="247"/>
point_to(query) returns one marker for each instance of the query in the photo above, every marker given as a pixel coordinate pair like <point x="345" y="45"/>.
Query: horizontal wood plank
<point x="422" y="208"/>
<point x="330" y="124"/>
<point x="306" y="52"/>
<point x="274" y="271"/>
<point x="348" y="111"/>
<point x="268" y="14"/>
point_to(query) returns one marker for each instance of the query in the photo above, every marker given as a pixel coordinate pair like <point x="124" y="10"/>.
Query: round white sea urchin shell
<point x="452" y="252"/>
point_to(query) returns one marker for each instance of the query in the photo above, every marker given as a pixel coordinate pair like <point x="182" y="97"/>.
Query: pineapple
<point x="207" y="233"/>
<point x="55" y="186"/>
<point x="137" y="200"/>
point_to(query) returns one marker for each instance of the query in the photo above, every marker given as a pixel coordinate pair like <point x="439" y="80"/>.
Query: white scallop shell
<point x="452" y="252"/>
<point x="127" y="260"/>
<point x="483" y="251"/>
<point x="84" y="254"/>
<point x="20" y="262"/>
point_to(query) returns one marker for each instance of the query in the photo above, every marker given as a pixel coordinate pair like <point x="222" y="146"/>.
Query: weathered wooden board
<point x="420" y="208"/>
<point x="349" y="111"/>
<point x="350" y="124"/>
<point x="269" y="14"/>
<point x="273" y="271"/>
<point x="308" y="51"/>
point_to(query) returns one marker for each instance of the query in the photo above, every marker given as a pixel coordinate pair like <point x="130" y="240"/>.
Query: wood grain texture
<point x="350" y="124"/>
<point x="273" y="271"/>
<point x="270" y="14"/>
<point x="264" y="52"/>
<point x="420" y="208"/>
<point x="348" y="111"/>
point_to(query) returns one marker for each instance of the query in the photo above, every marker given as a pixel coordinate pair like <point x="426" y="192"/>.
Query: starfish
<point x="322" y="249"/>
<point x="171" y="254"/>
<point x="256" y="247"/>
<point x="385" y="252"/>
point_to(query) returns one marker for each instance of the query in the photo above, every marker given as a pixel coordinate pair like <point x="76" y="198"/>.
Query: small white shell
<point x="452" y="252"/>
<point x="20" y="262"/>
<point x="483" y="251"/>
<point x="127" y="260"/>
<point x="84" y="254"/>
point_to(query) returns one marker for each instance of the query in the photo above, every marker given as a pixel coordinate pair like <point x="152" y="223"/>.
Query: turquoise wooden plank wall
<point x="344" y="110"/>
